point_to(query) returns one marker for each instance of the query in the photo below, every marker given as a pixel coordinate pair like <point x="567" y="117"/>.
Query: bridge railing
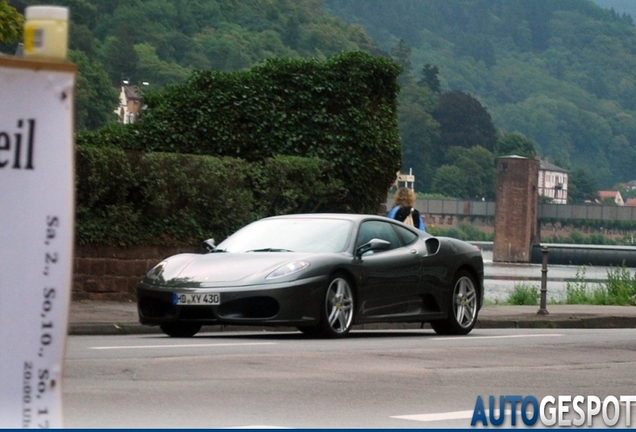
<point x="546" y="211"/>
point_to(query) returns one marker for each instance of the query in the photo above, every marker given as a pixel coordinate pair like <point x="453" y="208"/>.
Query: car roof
<point x="347" y="216"/>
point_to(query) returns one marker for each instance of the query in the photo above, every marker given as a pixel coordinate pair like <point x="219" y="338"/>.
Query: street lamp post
<point x="544" y="282"/>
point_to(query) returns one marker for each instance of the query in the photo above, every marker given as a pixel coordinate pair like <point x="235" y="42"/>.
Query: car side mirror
<point x="209" y="244"/>
<point x="374" y="244"/>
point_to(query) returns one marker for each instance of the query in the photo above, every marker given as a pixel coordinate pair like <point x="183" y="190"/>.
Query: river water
<point x="500" y="279"/>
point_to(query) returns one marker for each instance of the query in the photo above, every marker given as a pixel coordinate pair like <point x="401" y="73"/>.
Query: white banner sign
<point x="36" y="238"/>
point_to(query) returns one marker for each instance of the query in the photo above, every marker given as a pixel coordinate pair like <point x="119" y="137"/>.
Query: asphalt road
<point x="377" y="379"/>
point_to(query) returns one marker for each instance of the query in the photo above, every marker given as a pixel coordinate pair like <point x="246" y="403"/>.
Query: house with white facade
<point x="553" y="182"/>
<point x="129" y="104"/>
<point x="611" y="195"/>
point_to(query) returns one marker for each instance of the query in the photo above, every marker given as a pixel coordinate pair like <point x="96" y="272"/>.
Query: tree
<point x="478" y="47"/>
<point x="419" y="133"/>
<point x="401" y="53"/>
<point x="451" y="180"/>
<point x="11" y="23"/>
<point x="120" y="58"/>
<point x="581" y="186"/>
<point x="150" y="68"/>
<point x="515" y="143"/>
<point x="464" y="122"/>
<point x="81" y="38"/>
<point x="95" y="97"/>
<point x="478" y="164"/>
<point x="430" y="78"/>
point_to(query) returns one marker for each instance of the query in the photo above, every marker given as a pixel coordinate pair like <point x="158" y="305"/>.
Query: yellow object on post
<point x="46" y="33"/>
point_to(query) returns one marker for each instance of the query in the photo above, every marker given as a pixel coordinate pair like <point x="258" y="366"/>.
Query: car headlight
<point x="288" y="269"/>
<point x="155" y="272"/>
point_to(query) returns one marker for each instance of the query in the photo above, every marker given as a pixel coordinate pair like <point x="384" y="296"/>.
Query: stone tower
<point x="516" y="209"/>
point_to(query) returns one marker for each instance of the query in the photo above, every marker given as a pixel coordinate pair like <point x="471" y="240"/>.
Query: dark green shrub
<point x="343" y="110"/>
<point x="290" y="184"/>
<point x="105" y="184"/>
<point x="126" y="198"/>
<point x="187" y="198"/>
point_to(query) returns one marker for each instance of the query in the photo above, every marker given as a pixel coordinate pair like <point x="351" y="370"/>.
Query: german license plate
<point x="196" y="299"/>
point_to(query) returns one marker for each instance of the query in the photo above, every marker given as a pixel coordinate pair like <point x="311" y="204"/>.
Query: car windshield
<point x="290" y="235"/>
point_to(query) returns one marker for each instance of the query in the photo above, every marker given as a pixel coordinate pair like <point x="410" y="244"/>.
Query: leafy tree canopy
<point x="163" y="41"/>
<point x="515" y="144"/>
<point x="11" y="23"/>
<point x="558" y="72"/>
<point x="464" y="122"/>
<point x="581" y="186"/>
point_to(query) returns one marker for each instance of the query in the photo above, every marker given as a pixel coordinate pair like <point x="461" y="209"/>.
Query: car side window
<point x="380" y="230"/>
<point x="406" y="234"/>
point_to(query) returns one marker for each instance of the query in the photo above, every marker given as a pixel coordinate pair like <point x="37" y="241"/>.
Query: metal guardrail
<point x="578" y="254"/>
<point x="595" y="212"/>
<point x="546" y="211"/>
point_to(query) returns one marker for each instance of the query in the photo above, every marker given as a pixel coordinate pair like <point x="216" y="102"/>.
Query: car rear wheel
<point x="462" y="313"/>
<point x="180" y="329"/>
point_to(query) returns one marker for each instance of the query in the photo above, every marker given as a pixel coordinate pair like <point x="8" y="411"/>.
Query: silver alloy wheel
<point x="465" y="302"/>
<point x="339" y="305"/>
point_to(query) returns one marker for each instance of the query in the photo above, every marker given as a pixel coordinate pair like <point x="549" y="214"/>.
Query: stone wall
<point x="111" y="273"/>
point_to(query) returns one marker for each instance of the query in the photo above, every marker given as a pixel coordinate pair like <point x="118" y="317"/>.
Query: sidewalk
<point x="111" y="318"/>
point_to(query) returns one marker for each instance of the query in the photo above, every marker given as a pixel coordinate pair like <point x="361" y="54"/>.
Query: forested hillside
<point x="162" y="41"/>
<point x="559" y="72"/>
<point x="620" y="6"/>
<point x="481" y="78"/>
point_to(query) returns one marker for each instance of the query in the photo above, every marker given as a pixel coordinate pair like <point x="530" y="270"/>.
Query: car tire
<point x="180" y="329"/>
<point x="463" y="307"/>
<point x="338" y="308"/>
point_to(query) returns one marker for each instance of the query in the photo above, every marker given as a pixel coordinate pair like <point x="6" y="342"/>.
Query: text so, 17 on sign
<point x="36" y="238"/>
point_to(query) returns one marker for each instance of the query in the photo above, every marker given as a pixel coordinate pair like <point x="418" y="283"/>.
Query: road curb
<point x="554" y="322"/>
<point x="561" y="322"/>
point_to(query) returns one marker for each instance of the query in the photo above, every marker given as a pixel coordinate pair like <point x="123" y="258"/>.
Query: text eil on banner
<point x="36" y="238"/>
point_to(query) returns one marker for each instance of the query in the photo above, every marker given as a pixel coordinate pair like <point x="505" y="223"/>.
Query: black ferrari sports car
<point x="320" y="273"/>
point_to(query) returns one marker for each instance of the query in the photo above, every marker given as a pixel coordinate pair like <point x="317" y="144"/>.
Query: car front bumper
<point x="290" y="303"/>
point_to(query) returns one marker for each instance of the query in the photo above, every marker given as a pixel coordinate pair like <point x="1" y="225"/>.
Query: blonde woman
<point x="404" y="206"/>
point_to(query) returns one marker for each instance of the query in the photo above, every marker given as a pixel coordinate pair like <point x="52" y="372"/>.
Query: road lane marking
<point x="180" y="346"/>
<point x="454" y="338"/>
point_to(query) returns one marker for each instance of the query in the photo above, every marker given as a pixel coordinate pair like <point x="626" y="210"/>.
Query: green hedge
<point x="126" y="198"/>
<point x="343" y="110"/>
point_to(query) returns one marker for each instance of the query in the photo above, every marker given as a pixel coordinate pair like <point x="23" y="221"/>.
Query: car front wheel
<point x="180" y="330"/>
<point x="462" y="313"/>
<point x="337" y="310"/>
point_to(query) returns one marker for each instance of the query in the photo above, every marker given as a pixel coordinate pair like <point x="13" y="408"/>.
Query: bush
<point x="290" y="184"/>
<point x="126" y="198"/>
<point x="463" y="231"/>
<point x="523" y="294"/>
<point x="186" y="198"/>
<point x="577" y="291"/>
<point x="105" y="188"/>
<point x="621" y="287"/>
<point x="343" y="110"/>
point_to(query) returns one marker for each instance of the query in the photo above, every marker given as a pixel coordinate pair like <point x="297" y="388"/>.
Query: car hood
<point x="221" y="268"/>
